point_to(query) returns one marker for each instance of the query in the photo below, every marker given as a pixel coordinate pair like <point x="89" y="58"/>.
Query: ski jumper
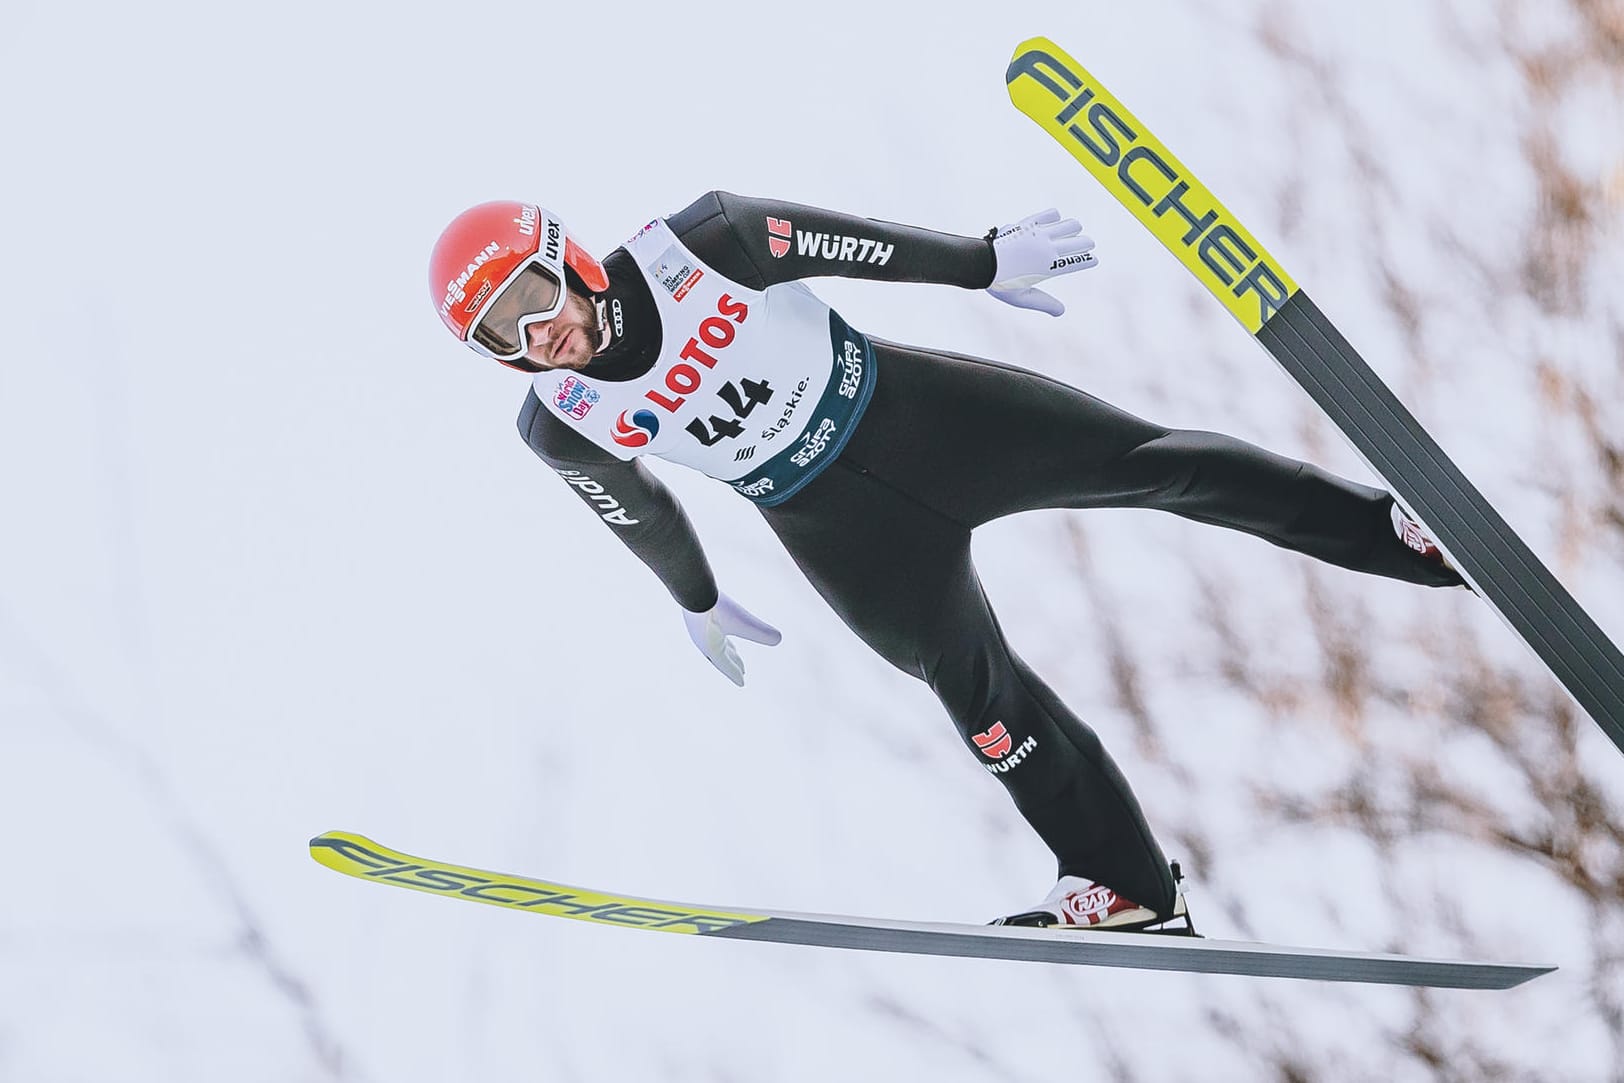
<point x="873" y="462"/>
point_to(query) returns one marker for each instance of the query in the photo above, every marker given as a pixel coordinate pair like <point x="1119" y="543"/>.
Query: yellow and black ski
<point x="1159" y="190"/>
<point x="360" y="857"/>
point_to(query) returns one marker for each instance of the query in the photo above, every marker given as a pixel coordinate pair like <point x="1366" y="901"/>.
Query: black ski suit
<point x="949" y="442"/>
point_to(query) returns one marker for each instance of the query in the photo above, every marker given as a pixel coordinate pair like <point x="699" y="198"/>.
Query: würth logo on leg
<point x="778" y="237"/>
<point x="995" y="743"/>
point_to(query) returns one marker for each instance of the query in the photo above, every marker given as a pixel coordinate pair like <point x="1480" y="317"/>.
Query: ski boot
<point x="1079" y="903"/>
<point x="1413" y="535"/>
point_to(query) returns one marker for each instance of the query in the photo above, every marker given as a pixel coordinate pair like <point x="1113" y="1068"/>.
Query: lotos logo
<point x="575" y="398"/>
<point x="643" y="427"/>
<point x="715" y="332"/>
<point x="995" y="742"/>
<point x="778" y="237"/>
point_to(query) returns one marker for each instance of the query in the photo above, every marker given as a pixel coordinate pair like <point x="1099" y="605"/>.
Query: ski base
<point x="360" y="857"/>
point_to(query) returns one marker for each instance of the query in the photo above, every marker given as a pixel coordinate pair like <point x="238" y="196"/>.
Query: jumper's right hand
<point x="710" y="630"/>
<point x="1038" y="247"/>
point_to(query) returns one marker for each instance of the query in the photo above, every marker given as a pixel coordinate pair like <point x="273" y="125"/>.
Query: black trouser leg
<point x="951" y="442"/>
<point x="1217" y="479"/>
<point x="901" y="577"/>
<point x="979" y="440"/>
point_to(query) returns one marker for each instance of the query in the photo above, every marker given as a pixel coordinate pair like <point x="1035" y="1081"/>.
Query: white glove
<point x="1037" y="247"/>
<point x="709" y="631"/>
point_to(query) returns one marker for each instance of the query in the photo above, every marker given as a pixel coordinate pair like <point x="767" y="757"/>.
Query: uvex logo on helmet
<point x="555" y="237"/>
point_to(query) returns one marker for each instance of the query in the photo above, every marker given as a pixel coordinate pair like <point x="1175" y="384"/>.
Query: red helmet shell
<point x="485" y="244"/>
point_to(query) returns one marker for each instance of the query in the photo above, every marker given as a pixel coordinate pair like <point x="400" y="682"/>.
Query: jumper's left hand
<point x="1038" y="247"/>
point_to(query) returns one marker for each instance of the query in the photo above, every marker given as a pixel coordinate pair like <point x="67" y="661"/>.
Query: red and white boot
<point x="1413" y="535"/>
<point x="1078" y="903"/>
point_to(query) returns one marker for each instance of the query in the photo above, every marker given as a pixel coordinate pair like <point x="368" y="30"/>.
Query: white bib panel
<point x="759" y="389"/>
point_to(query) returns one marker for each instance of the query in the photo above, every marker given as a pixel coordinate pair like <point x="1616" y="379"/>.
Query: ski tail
<point x="1479" y="543"/>
<point x="1078" y="112"/>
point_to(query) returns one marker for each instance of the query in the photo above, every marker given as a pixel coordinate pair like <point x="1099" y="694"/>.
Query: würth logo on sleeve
<point x="778" y="237"/>
<point x="831" y="246"/>
<point x="996" y="744"/>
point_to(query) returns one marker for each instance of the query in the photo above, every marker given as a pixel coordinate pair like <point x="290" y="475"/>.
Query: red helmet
<point x="500" y="267"/>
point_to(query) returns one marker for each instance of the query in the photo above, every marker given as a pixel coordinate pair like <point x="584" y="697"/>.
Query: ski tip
<point x="344" y="851"/>
<point x="1036" y="42"/>
<point x="329" y="838"/>
<point x="1029" y="56"/>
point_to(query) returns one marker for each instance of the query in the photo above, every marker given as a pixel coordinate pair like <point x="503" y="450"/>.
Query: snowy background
<point x="275" y="561"/>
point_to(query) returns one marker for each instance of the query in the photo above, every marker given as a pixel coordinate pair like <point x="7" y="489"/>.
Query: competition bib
<point x="760" y="389"/>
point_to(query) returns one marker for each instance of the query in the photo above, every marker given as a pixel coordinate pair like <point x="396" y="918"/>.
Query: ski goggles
<point x="533" y="293"/>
